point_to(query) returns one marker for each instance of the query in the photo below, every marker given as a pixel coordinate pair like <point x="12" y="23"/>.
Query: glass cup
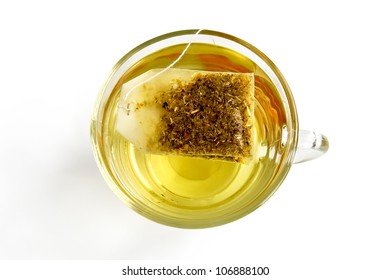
<point x="198" y="193"/>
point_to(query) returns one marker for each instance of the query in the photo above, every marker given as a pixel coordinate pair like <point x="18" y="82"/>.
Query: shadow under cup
<point x="191" y="192"/>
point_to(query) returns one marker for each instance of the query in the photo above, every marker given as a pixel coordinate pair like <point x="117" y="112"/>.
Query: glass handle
<point x="310" y="146"/>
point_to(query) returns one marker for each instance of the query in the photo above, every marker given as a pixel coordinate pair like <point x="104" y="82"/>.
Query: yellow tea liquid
<point x="193" y="188"/>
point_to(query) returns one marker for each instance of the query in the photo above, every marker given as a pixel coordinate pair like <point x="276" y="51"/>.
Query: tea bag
<point x="189" y="113"/>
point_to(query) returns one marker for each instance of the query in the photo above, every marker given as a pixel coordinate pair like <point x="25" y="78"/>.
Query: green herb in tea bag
<point x="190" y="113"/>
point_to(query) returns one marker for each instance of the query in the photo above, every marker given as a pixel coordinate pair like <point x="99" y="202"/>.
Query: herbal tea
<point x="187" y="187"/>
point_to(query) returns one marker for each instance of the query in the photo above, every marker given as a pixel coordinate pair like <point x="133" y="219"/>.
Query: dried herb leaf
<point x="210" y="116"/>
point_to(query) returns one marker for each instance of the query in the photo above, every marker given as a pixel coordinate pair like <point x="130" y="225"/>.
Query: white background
<point x="329" y="220"/>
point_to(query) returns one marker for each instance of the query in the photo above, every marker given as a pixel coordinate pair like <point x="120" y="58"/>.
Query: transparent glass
<point x="195" y="193"/>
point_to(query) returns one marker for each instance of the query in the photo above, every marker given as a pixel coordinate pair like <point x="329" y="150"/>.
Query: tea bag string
<point x="165" y="69"/>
